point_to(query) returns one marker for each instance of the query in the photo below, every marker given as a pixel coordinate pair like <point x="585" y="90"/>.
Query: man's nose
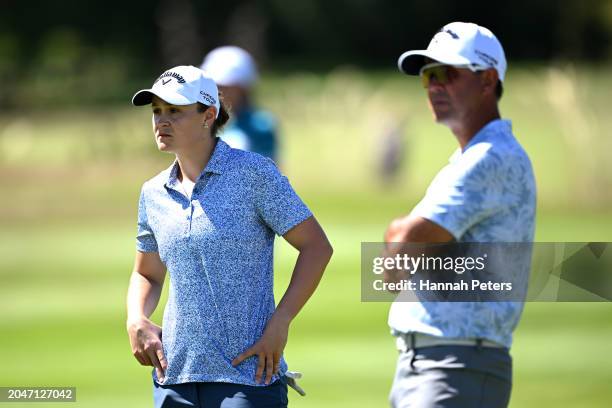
<point x="434" y="83"/>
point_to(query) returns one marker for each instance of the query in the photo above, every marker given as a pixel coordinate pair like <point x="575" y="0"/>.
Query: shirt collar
<point x="219" y="158"/>
<point x="216" y="164"/>
<point x="493" y="127"/>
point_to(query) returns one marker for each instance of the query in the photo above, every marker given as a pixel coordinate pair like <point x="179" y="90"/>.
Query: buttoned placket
<point x="198" y="188"/>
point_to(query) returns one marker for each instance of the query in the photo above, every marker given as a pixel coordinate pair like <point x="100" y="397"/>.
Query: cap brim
<point x="411" y="62"/>
<point x="142" y="97"/>
<point x="145" y="96"/>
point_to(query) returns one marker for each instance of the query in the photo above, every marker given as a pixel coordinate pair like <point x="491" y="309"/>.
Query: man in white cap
<point x="235" y="72"/>
<point x="457" y="354"/>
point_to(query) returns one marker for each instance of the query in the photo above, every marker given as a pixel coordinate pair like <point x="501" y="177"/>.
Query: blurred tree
<point x="246" y="28"/>
<point x="179" y="38"/>
<point x="139" y="38"/>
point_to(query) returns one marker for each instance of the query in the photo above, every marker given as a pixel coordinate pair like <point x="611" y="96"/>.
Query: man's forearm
<point x="411" y="236"/>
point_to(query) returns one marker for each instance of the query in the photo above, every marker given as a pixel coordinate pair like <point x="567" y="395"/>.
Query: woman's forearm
<point x="309" y="268"/>
<point x="143" y="297"/>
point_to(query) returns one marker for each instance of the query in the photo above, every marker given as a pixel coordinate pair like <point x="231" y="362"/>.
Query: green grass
<point x="63" y="324"/>
<point x="67" y="219"/>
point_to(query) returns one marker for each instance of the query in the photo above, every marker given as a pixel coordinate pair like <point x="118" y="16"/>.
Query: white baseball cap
<point x="230" y="65"/>
<point x="182" y="85"/>
<point x="458" y="44"/>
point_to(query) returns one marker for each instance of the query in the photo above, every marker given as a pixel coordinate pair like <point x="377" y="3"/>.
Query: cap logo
<point x="486" y="58"/>
<point x="451" y="33"/>
<point x="170" y="74"/>
<point x="208" y="98"/>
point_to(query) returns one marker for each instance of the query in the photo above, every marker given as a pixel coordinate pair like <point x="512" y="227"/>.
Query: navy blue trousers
<point x="220" y="395"/>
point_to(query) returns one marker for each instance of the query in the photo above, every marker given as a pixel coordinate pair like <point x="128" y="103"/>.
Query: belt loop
<point x="479" y="344"/>
<point x="414" y="351"/>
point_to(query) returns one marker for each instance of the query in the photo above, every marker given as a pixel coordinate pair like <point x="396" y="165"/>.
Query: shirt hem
<point x="188" y="378"/>
<point x="433" y="217"/>
<point x="294" y="222"/>
<point x="143" y="249"/>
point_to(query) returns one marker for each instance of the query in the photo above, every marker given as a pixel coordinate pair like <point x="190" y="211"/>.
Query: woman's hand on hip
<point x="268" y="349"/>
<point x="145" y="339"/>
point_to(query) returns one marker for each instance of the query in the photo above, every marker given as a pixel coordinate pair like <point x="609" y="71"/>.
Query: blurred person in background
<point x="235" y="72"/>
<point x="457" y="354"/>
<point x="210" y="220"/>
<point x="392" y="151"/>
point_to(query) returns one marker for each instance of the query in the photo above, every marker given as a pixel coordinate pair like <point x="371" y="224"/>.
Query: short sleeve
<point x="462" y="196"/>
<point x="145" y="239"/>
<point x="277" y="203"/>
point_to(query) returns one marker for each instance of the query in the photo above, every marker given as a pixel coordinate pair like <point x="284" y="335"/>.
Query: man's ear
<point x="489" y="79"/>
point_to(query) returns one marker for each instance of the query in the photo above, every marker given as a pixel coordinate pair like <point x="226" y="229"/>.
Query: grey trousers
<point x="452" y="377"/>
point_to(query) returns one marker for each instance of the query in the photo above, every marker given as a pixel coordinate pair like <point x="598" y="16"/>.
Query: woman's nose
<point x="161" y="120"/>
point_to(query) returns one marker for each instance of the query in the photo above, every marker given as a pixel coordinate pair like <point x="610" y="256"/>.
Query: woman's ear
<point x="209" y="116"/>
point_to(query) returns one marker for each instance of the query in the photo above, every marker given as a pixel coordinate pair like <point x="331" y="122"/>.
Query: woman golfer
<point x="210" y="219"/>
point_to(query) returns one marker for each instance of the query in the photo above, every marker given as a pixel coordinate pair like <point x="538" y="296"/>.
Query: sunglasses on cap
<point x="444" y="74"/>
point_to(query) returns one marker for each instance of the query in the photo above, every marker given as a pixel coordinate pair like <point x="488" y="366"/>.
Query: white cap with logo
<point x="458" y="44"/>
<point x="182" y="85"/>
<point x="230" y="65"/>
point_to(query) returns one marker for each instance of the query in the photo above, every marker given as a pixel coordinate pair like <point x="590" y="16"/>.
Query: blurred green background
<point x="73" y="155"/>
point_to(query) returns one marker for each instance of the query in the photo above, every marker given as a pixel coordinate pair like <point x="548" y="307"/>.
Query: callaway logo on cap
<point x="182" y="85"/>
<point x="169" y="75"/>
<point x="458" y="44"/>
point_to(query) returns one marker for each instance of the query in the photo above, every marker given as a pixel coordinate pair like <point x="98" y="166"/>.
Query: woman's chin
<point x="162" y="147"/>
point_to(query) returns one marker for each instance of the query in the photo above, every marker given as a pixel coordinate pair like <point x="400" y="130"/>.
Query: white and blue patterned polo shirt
<point x="217" y="248"/>
<point x="486" y="193"/>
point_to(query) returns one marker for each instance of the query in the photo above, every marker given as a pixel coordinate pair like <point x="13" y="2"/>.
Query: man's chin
<point x="441" y="118"/>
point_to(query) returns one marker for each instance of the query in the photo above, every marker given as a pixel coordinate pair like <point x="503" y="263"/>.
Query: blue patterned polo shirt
<point x="217" y="248"/>
<point x="486" y="193"/>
